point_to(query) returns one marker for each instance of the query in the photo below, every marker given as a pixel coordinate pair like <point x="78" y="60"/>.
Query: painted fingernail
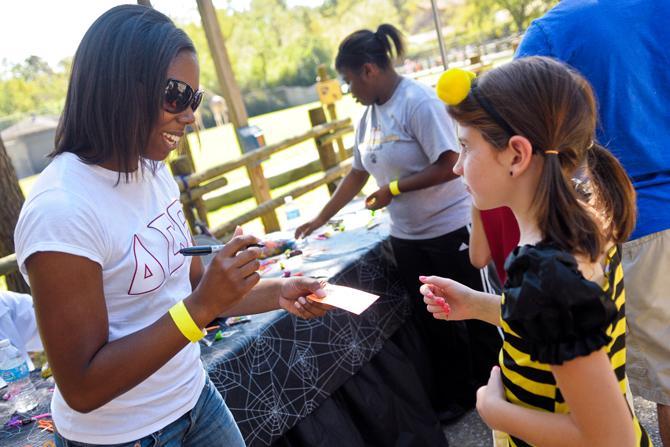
<point x="302" y="300"/>
<point x="423" y="278"/>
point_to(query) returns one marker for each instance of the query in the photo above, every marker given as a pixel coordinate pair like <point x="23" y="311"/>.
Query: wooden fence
<point x="194" y="185"/>
<point x="333" y="164"/>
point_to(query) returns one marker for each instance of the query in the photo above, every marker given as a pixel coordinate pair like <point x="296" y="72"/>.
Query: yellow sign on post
<point x="329" y="91"/>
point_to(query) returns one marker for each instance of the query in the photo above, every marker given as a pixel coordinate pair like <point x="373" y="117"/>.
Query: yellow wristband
<point x="185" y="322"/>
<point x="393" y="187"/>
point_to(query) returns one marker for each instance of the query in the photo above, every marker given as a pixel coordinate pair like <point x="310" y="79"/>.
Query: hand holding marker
<point x="204" y="250"/>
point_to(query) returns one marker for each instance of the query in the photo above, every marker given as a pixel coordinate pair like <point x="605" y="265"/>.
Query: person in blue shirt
<point x="623" y="48"/>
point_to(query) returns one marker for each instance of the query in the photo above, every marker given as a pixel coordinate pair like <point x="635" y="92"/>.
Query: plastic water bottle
<point x="14" y="370"/>
<point x="292" y="213"/>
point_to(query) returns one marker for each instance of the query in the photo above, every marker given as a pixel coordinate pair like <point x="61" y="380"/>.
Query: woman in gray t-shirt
<point x="406" y="140"/>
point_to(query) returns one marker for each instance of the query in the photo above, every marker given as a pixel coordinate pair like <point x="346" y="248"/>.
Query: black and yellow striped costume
<point x="551" y="314"/>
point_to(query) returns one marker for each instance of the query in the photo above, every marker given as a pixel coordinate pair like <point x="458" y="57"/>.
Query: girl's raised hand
<point x="435" y="303"/>
<point x="490" y="396"/>
<point x="446" y="299"/>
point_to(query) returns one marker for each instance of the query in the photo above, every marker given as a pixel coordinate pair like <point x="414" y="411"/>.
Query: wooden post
<point x="261" y="190"/>
<point x="332" y="112"/>
<point x="224" y="71"/>
<point x="181" y="166"/>
<point x="326" y="151"/>
<point x="185" y="150"/>
<point x="236" y="109"/>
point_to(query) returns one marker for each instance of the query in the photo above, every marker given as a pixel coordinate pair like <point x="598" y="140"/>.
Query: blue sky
<point x="52" y="29"/>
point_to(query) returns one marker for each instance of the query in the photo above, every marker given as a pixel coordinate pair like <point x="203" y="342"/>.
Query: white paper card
<point x="347" y="298"/>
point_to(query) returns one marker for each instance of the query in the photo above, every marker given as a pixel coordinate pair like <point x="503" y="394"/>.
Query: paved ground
<point x="470" y="430"/>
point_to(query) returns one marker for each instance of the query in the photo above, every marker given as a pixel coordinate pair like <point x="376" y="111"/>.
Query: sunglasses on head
<point x="179" y="95"/>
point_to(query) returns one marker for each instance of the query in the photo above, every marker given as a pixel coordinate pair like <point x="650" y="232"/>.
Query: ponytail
<point x="565" y="219"/>
<point x="365" y="46"/>
<point x="387" y="34"/>
<point x="615" y="195"/>
<point x="585" y="224"/>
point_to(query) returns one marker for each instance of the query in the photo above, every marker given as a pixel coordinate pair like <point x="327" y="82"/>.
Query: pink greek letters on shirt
<point x="152" y="264"/>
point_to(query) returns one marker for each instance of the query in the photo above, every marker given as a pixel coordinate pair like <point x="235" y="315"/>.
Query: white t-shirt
<point x="404" y="136"/>
<point x="134" y="231"/>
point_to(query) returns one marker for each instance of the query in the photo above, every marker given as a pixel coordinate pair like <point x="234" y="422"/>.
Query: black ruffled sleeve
<point x="549" y="303"/>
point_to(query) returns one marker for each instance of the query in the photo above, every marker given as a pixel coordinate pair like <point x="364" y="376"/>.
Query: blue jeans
<point x="209" y="423"/>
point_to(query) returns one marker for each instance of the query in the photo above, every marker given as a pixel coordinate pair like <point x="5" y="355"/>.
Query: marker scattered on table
<point x="17" y="421"/>
<point x="46" y="425"/>
<point x="232" y="321"/>
<point x="203" y="250"/>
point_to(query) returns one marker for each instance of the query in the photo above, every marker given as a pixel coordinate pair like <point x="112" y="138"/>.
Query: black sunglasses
<point x="179" y="95"/>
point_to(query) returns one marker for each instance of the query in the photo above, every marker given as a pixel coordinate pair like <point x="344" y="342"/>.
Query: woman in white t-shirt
<point x="407" y="142"/>
<point x="119" y="309"/>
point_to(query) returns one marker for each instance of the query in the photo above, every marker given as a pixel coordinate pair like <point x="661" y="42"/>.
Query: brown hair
<point x="554" y="107"/>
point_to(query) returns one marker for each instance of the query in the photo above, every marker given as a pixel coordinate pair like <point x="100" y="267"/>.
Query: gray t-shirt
<point x="401" y="137"/>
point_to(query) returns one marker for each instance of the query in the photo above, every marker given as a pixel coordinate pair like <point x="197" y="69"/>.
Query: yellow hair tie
<point x="551" y="152"/>
<point x="454" y="85"/>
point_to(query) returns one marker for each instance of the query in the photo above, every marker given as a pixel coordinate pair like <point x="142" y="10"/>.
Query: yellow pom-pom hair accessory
<point x="454" y="85"/>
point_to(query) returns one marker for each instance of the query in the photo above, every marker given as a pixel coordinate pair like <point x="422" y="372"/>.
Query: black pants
<point x="452" y="358"/>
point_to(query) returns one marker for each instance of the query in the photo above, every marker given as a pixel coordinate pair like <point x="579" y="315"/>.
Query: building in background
<point x="28" y="143"/>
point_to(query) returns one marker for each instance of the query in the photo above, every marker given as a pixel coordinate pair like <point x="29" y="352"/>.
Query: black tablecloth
<point x="285" y="368"/>
<point x="382" y="405"/>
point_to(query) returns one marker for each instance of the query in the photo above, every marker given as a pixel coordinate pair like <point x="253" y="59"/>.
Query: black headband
<point x="493" y="113"/>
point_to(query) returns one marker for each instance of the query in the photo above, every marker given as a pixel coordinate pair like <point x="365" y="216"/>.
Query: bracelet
<point x="393" y="187"/>
<point x="185" y="322"/>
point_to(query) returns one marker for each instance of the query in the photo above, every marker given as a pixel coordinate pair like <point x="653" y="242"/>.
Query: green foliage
<point x="271" y="45"/>
<point x="520" y="12"/>
<point x="307" y="52"/>
<point x="33" y="87"/>
<point x="261" y="101"/>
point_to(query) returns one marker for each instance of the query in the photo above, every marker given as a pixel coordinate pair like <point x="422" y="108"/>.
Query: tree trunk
<point x="402" y="16"/>
<point x="517" y="9"/>
<point x="12" y="199"/>
<point x="519" y="19"/>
